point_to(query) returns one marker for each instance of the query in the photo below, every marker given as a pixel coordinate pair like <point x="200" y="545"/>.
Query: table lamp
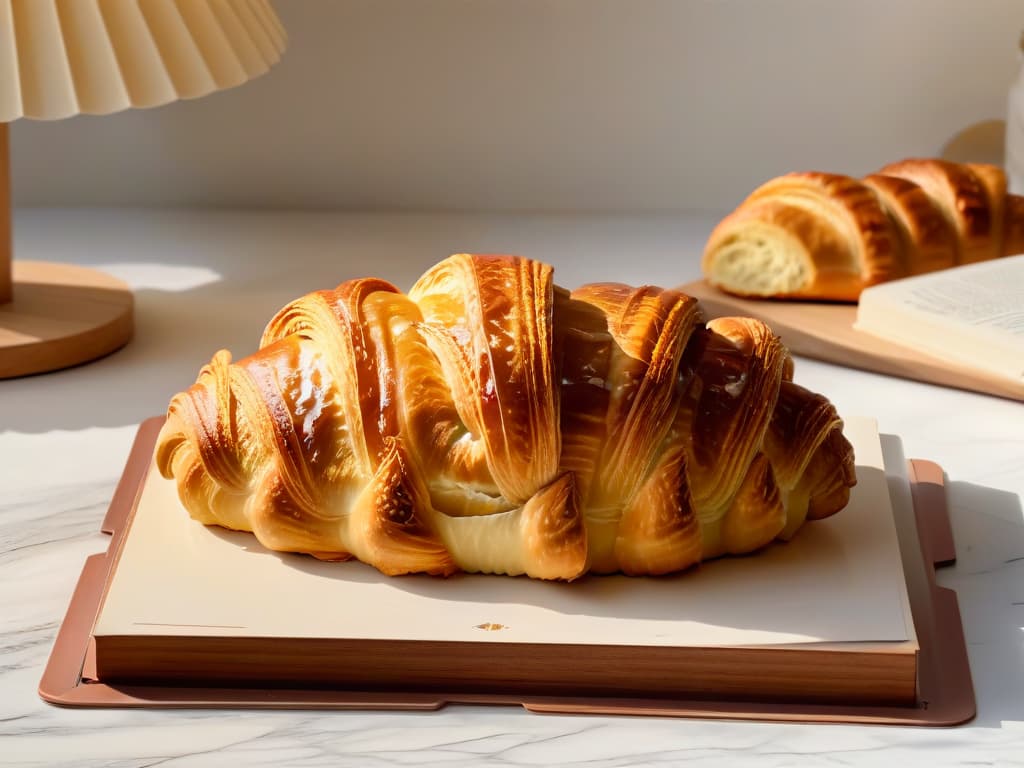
<point x="60" y="58"/>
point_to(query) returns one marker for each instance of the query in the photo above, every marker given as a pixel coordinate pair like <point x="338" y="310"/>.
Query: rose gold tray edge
<point x="946" y="693"/>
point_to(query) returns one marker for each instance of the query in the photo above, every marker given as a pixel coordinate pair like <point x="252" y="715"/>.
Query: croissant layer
<point x="827" y="236"/>
<point x="490" y="421"/>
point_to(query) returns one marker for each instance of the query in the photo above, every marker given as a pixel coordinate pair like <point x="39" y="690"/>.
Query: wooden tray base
<point x="945" y="690"/>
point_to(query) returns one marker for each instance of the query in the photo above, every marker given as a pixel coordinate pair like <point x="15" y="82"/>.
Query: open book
<point x="972" y="315"/>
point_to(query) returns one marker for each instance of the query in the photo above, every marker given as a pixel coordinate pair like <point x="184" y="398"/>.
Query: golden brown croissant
<point x="490" y="421"/>
<point x="825" y="236"/>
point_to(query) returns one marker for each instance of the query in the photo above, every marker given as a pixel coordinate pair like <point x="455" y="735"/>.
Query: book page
<point x="972" y="315"/>
<point x="988" y="294"/>
<point x="839" y="580"/>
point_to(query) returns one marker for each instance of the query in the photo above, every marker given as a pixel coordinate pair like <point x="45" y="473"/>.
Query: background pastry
<point x="826" y="236"/>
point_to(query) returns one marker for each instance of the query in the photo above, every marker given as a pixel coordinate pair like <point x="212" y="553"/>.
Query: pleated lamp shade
<point x="60" y="58"/>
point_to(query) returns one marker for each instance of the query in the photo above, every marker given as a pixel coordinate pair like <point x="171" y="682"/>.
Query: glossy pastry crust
<point x="827" y="236"/>
<point x="490" y="421"/>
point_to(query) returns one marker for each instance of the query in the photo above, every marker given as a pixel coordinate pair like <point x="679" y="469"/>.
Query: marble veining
<point x="64" y="438"/>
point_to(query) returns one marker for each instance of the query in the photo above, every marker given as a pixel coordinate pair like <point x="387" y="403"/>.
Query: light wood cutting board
<point x="824" y="331"/>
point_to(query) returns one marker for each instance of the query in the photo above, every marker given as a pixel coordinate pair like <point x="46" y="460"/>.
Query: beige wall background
<point x="547" y="104"/>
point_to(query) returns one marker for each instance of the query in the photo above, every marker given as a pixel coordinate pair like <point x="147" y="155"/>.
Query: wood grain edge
<point x="766" y="674"/>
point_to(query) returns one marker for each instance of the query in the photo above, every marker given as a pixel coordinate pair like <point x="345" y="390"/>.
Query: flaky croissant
<point x="490" y="421"/>
<point x="826" y="236"/>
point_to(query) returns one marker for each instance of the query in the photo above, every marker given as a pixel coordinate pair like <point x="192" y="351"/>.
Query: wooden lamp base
<point x="61" y="315"/>
<point x="54" y="316"/>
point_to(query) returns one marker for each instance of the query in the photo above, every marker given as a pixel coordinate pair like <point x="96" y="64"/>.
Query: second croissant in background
<point x="826" y="236"/>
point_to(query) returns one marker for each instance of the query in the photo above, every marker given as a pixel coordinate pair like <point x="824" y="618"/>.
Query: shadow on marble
<point x="988" y="578"/>
<point x="988" y="528"/>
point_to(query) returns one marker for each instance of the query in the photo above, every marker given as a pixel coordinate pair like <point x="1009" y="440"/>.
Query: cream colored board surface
<point x="839" y="580"/>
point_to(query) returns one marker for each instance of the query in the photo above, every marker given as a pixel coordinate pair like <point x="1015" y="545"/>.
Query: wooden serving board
<point x="944" y="690"/>
<point x="824" y="331"/>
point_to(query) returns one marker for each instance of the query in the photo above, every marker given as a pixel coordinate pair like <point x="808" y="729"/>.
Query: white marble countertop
<point x="211" y="280"/>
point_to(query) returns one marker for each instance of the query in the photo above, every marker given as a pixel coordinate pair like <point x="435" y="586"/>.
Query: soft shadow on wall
<point x="577" y="104"/>
<point x="983" y="142"/>
<point x="988" y="525"/>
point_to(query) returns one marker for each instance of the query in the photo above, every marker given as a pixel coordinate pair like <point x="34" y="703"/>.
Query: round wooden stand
<point x="61" y="315"/>
<point x="53" y="316"/>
